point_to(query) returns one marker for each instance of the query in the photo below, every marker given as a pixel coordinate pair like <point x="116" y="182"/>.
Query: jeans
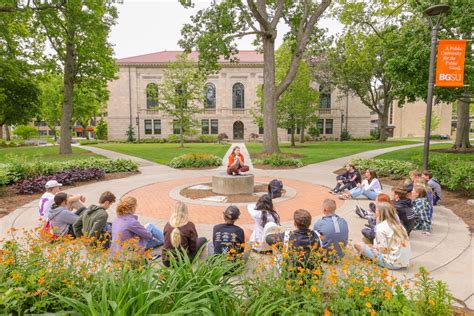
<point x="377" y="258"/>
<point x="158" y="237"/>
<point x="371" y="195"/>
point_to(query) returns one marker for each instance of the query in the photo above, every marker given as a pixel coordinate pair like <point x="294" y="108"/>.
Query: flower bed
<point x="195" y="161"/>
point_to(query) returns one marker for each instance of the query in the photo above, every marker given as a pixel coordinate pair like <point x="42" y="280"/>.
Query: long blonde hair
<point x="386" y="212"/>
<point x="178" y="219"/>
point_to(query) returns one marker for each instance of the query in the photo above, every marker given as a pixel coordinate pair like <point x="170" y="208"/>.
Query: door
<point x="238" y="130"/>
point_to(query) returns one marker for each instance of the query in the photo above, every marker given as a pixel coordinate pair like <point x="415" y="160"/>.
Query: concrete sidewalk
<point x="447" y="253"/>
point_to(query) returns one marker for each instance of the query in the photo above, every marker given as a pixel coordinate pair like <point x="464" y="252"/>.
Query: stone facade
<point x="127" y="104"/>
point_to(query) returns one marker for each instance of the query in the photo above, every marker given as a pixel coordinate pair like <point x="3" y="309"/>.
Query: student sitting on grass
<point x="262" y="213"/>
<point x="127" y="231"/>
<point x="391" y="247"/>
<point x="59" y="217"/>
<point x="370" y="187"/>
<point x="334" y="230"/>
<point x="93" y="221"/>
<point x="299" y="246"/>
<point x="422" y="210"/>
<point x="227" y="238"/>
<point x="181" y="234"/>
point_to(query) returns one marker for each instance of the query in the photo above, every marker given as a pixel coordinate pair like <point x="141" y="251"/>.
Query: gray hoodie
<point x="60" y="219"/>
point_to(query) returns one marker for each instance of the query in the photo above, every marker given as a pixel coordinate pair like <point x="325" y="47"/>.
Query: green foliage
<point x="195" y="160"/>
<point x="346" y="135"/>
<point x="88" y="142"/>
<point x="435" y="120"/>
<point x="153" y="140"/>
<point x="130" y="134"/>
<point x="173" y="138"/>
<point x="278" y="160"/>
<point x="208" y="138"/>
<point x="51" y="87"/>
<point x="21" y="167"/>
<point x="314" y="132"/>
<point x="25" y="131"/>
<point x="385" y="168"/>
<point x="375" y="133"/>
<point x="100" y="130"/>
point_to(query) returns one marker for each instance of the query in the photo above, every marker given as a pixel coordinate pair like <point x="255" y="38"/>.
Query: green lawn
<point x="45" y="153"/>
<point x="408" y="154"/>
<point x="322" y="151"/>
<point x="163" y="153"/>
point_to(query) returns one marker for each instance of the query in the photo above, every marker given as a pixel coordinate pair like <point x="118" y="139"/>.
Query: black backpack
<point x="274" y="188"/>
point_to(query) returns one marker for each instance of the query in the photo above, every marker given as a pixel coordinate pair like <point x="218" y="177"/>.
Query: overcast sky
<point x="148" y="26"/>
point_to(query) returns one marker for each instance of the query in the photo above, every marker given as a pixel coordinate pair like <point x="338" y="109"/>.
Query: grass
<point x="408" y="154"/>
<point x="322" y="151"/>
<point x="45" y="153"/>
<point x="163" y="153"/>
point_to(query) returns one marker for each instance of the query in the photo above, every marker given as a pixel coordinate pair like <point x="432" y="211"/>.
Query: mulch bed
<point x="234" y="198"/>
<point x="10" y="201"/>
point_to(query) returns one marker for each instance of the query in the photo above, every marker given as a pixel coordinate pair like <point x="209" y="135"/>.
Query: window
<point x="391" y="115"/>
<point x="214" y="126"/>
<point x="157" y="127"/>
<point x="328" y="124"/>
<point x="176" y="127"/>
<point x="325" y="97"/>
<point x="43" y="133"/>
<point x="205" y="127"/>
<point x="238" y="96"/>
<point x="148" y="130"/>
<point x="260" y="130"/>
<point x="320" y="126"/>
<point x="40" y="123"/>
<point x="210" y="96"/>
<point x="151" y="95"/>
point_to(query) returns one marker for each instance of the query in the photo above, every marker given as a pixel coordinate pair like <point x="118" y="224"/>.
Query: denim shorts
<point x="377" y="258"/>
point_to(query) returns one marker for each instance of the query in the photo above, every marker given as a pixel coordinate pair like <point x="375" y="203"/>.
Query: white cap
<point x="52" y="184"/>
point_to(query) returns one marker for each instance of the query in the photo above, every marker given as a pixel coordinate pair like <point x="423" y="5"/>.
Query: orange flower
<point x="388" y="295"/>
<point x="372" y="312"/>
<point x="368" y="305"/>
<point x="41" y="281"/>
<point x="361" y="294"/>
<point x="349" y="291"/>
<point x="366" y="289"/>
<point x="431" y="302"/>
<point x="317" y="272"/>
<point x="327" y="312"/>
<point x="313" y="289"/>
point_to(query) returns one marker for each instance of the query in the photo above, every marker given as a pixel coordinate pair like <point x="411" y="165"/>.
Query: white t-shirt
<point x="373" y="186"/>
<point x="392" y="250"/>
<point x="45" y="202"/>
<point x="257" y="239"/>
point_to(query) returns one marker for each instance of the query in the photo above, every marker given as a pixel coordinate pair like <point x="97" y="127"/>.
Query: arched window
<point x="324" y="97"/>
<point x="210" y="96"/>
<point x="238" y="96"/>
<point x="151" y="95"/>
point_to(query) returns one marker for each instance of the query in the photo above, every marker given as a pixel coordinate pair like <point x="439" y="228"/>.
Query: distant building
<point x="232" y="93"/>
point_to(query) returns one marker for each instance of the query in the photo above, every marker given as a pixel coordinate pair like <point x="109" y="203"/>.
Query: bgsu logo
<point x="450" y="77"/>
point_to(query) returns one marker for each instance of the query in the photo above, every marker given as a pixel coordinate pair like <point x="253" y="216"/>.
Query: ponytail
<point x="178" y="218"/>
<point x="175" y="237"/>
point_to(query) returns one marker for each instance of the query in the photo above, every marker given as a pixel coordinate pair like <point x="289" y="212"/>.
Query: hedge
<point x="277" y="160"/>
<point x="195" y="160"/>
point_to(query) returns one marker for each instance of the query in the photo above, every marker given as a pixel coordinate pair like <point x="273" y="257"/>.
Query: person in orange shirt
<point x="236" y="162"/>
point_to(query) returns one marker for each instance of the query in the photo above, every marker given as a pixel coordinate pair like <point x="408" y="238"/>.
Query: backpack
<point x="274" y="188"/>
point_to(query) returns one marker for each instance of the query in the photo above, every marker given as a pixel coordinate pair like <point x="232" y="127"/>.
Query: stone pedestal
<point x="227" y="184"/>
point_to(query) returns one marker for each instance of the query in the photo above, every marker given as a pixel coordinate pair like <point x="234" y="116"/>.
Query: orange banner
<point x="450" y="63"/>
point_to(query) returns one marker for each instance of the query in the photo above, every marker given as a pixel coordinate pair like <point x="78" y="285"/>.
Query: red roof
<point x="244" y="56"/>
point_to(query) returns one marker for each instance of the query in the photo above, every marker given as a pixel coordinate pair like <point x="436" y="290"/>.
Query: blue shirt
<point x="335" y="231"/>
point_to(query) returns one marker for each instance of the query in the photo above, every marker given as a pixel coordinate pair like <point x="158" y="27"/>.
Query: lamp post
<point x="435" y="14"/>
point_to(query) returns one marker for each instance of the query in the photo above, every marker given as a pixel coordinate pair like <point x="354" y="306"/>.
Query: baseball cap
<point x="52" y="184"/>
<point x="232" y="213"/>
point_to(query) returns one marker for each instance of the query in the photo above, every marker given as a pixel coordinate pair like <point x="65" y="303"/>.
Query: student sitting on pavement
<point x="369" y="231"/>
<point x="299" y="246"/>
<point x="93" y="221"/>
<point x="334" y="230"/>
<point x="370" y="187"/>
<point x="227" y="238"/>
<point x="403" y="206"/>
<point x="421" y="209"/>
<point x="52" y="187"/>
<point x="433" y="184"/>
<point x="348" y="180"/>
<point x="391" y="247"/>
<point x="181" y="234"/>
<point x="262" y="213"/>
<point x="59" y="217"/>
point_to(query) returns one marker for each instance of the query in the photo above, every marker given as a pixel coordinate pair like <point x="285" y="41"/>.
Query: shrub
<point x="153" y="140"/>
<point x="20" y="167"/>
<point x="222" y="136"/>
<point x="195" y="160"/>
<point x="345" y="135"/>
<point x="100" y="130"/>
<point x="173" y="138"/>
<point x="25" y="131"/>
<point x="88" y="142"/>
<point x="278" y="160"/>
<point x="385" y="168"/>
<point x="253" y="137"/>
<point x="314" y="132"/>
<point x="207" y="139"/>
<point x="130" y="133"/>
<point x="67" y="177"/>
<point x="375" y="133"/>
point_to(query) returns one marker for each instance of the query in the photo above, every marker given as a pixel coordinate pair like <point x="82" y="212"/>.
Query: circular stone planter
<point x="228" y="185"/>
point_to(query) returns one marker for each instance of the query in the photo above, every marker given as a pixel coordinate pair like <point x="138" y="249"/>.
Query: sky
<point x="148" y="26"/>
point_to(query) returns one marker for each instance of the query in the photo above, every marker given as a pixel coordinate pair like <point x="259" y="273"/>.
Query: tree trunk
<point x="462" y="129"/>
<point x="7" y="132"/>
<point x="383" y="119"/>
<point x="293" y="136"/>
<point x="270" y="141"/>
<point x="181" y="136"/>
<point x="66" y="114"/>
<point x="302" y="135"/>
<point x="1" y="131"/>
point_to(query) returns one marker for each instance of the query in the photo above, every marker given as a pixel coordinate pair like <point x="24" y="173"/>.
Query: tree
<point x="78" y="31"/>
<point x="181" y="94"/>
<point x="297" y="106"/>
<point x="88" y="101"/>
<point x="214" y="30"/>
<point x="25" y="131"/>
<point x="51" y="86"/>
<point x="100" y="130"/>
<point x="435" y="120"/>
